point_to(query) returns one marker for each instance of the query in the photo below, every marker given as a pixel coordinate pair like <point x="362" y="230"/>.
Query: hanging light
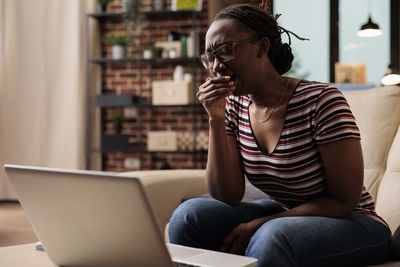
<point x="369" y="29"/>
<point x="391" y="78"/>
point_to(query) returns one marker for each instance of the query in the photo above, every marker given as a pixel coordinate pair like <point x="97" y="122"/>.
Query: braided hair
<point x="265" y="25"/>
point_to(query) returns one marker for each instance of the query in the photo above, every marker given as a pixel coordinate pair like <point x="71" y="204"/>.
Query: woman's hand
<point x="238" y="240"/>
<point x="212" y="95"/>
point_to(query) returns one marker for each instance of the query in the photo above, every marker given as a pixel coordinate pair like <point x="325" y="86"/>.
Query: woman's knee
<point x="199" y="223"/>
<point x="272" y="243"/>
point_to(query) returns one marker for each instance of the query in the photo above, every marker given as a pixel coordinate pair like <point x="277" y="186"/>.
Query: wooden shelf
<point x="151" y="15"/>
<point x="153" y="62"/>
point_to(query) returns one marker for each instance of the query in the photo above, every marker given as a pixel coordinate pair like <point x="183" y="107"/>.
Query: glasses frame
<point x="214" y="55"/>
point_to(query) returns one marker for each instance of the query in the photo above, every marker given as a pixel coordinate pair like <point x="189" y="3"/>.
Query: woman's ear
<point x="263" y="47"/>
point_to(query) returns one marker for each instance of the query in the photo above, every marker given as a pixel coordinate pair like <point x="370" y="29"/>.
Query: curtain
<point x="42" y="84"/>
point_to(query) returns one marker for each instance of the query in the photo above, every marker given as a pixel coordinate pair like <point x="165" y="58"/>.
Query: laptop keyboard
<point x="181" y="264"/>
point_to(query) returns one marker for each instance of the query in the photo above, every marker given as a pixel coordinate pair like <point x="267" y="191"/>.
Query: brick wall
<point x="125" y="78"/>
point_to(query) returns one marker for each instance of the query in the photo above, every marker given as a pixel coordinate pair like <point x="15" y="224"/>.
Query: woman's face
<point x="243" y="66"/>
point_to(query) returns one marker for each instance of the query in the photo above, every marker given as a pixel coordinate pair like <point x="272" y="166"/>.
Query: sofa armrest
<point x="166" y="188"/>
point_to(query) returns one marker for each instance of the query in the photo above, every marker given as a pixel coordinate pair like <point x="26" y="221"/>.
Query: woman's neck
<point x="270" y="91"/>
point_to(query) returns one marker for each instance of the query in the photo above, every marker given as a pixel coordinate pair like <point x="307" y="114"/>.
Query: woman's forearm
<point x="224" y="176"/>
<point x="325" y="205"/>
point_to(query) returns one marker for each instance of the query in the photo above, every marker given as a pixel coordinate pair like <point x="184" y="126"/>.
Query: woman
<point x="295" y="140"/>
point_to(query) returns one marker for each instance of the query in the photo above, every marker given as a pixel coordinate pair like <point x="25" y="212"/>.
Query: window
<point x="308" y="19"/>
<point x="372" y="51"/>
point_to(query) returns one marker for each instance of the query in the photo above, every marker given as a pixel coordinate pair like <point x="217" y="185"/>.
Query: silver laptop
<point x="91" y="218"/>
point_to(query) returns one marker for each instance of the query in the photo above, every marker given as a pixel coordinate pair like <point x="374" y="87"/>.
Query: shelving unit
<point x="120" y="143"/>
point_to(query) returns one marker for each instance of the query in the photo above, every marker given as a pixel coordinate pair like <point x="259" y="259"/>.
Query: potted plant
<point x="102" y="5"/>
<point x="131" y="14"/>
<point x="117" y="118"/>
<point x="118" y="41"/>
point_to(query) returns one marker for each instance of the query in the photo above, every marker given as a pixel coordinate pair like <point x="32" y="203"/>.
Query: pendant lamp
<point x="369" y="29"/>
<point x="391" y="78"/>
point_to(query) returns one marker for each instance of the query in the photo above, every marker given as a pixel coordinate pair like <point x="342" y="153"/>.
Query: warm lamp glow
<point x="369" y="33"/>
<point x="391" y="79"/>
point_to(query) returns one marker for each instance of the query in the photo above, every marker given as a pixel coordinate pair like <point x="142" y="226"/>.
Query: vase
<point x="158" y="5"/>
<point x="118" y="52"/>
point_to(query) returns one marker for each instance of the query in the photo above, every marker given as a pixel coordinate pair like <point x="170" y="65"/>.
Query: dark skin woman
<point x="246" y="60"/>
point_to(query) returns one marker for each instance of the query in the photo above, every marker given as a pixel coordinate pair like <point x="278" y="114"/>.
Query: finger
<point x="227" y="243"/>
<point x="203" y="95"/>
<point x="217" y="88"/>
<point x="216" y="80"/>
<point x="214" y="98"/>
<point x="238" y="247"/>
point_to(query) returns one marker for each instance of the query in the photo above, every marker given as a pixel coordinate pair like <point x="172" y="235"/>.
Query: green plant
<point x="117" y="118"/>
<point x="131" y="12"/>
<point x="131" y="15"/>
<point x="116" y="38"/>
<point x="187" y="70"/>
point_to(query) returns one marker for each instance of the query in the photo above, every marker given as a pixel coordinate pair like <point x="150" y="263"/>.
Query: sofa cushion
<point x="377" y="113"/>
<point x="388" y="200"/>
<point x="395" y="254"/>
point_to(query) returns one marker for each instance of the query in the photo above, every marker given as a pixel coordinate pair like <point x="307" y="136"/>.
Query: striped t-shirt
<point x="292" y="174"/>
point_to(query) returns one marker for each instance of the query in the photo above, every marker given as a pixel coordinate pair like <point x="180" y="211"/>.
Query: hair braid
<point x="259" y="20"/>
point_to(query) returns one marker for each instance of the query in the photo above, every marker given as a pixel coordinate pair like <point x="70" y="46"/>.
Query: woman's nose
<point x="218" y="65"/>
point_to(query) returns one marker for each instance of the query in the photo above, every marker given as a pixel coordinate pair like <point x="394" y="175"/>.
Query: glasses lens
<point x="207" y="59"/>
<point x="225" y="52"/>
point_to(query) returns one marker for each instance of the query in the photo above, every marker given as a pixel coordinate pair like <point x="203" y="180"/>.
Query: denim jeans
<point x="355" y="240"/>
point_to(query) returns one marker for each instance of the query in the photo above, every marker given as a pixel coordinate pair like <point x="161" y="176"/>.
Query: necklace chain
<point x="272" y="111"/>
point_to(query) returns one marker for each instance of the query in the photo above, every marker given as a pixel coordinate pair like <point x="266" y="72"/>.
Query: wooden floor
<point x="15" y="228"/>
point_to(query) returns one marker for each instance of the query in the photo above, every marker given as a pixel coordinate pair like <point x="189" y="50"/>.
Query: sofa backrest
<point x="377" y="112"/>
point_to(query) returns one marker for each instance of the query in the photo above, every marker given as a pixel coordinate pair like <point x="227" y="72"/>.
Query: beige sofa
<point x="377" y="112"/>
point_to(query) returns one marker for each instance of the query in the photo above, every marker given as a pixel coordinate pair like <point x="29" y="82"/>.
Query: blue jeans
<point x="355" y="240"/>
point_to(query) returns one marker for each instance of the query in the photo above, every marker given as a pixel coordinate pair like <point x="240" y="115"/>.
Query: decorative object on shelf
<point x="169" y="92"/>
<point x="188" y="74"/>
<point x="173" y="36"/>
<point x="157" y="5"/>
<point x="102" y="5"/>
<point x="118" y="41"/>
<point x="369" y="29"/>
<point x="350" y="73"/>
<point x="117" y="119"/>
<point x="170" y="49"/>
<point x="392" y="77"/>
<point x="186" y="139"/>
<point x="152" y="52"/>
<point x="115" y="142"/>
<point x="193" y="44"/>
<point x="186" y="5"/>
<point x="114" y="100"/>
<point x="162" y="141"/>
<point x="178" y="73"/>
<point x="184" y="46"/>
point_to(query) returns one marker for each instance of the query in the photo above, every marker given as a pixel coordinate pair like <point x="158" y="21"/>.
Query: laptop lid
<point x="89" y="218"/>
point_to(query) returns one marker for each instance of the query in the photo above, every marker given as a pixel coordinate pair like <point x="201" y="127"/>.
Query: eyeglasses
<point x="224" y="53"/>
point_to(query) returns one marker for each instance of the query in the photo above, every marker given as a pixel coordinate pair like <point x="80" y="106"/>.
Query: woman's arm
<point x="344" y="171"/>
<point x="224" y="176"/>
